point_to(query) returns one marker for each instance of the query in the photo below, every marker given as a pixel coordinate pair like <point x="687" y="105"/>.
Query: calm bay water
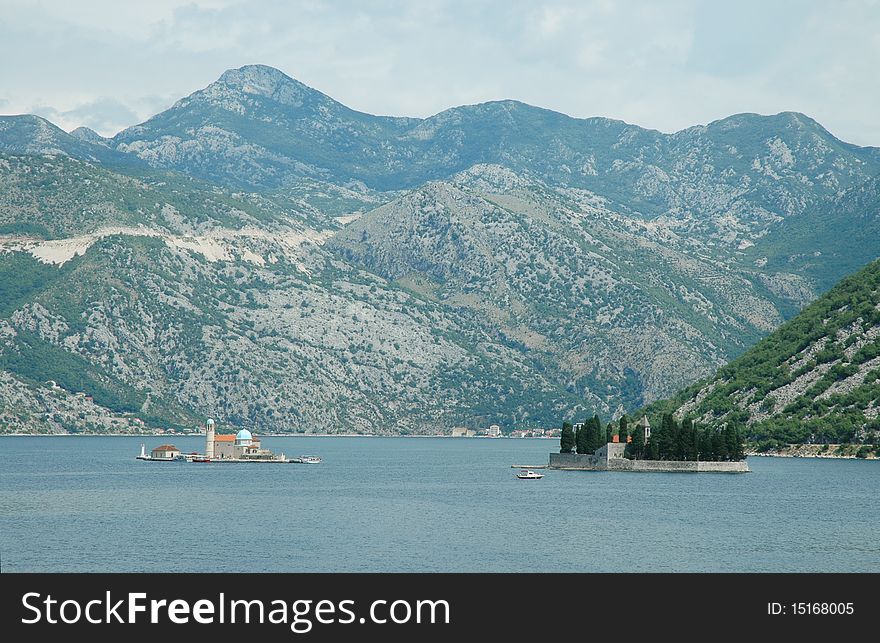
<point x="421" y="504"/>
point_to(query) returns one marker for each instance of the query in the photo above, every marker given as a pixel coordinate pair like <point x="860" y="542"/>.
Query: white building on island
<point x="241" y="446"/>
<point x="165" y="452"/>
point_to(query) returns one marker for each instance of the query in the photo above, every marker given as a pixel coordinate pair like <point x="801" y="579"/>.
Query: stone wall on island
<point x="610" y="458"/>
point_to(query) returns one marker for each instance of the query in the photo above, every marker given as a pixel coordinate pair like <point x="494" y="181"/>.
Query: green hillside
<point x="814" y="380"/>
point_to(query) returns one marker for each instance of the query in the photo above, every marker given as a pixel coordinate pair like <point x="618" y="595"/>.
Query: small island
<point x="673" y="447"/>
<point x="241" y="447"/>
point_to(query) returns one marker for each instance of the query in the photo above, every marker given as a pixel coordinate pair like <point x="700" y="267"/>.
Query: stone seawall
<point x="593" y="462"/>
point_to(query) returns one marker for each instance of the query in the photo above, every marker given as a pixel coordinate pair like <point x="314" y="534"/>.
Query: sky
<point x="666" y="65"/>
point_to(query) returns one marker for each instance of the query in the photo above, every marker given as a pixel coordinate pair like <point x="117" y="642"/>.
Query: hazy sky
<point x="662" y="64"/>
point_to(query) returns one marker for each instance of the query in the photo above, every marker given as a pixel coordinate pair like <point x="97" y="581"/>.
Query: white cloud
<point x="104" y="115"/>
<point x="666" y="66"/>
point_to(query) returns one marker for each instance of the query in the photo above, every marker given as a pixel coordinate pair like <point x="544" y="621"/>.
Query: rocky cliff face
<point x="165" y="310"/>
<point x="262" y="253"/>
<point x="609" y="304"/>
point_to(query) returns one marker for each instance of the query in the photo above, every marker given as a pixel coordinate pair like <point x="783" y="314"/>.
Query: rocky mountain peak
<point x="261" y="80"/>
<point x="30" y="134"/>
<point x="88" y="135"/>
<point x="264" y="82"/>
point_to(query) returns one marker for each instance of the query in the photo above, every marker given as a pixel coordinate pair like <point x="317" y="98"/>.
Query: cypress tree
<point x="652" y="449"/>
<point x="592" y="427"/>
<point x="706" y="445"/>
<point x="740" y="452"/>
<point x="695" y="442"/>
<point x="688" y="440"/>
<point x="718" y="447"/>
<point x="638" y="445"/>
<point x="666" y="441"/>
<point x="730" y="442"/>
<point x="609" y="432"/>
<point x="677" y="441"/>
<point x="598" y="432"/>
<point x="623" y="428"/>
<point x="581" y="439"/>
<point x="589" y="437"/>
<point x="657" y="437"/>
<point x="566" y="441"/>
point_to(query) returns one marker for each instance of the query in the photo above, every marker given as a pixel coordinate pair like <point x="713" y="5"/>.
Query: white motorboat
<point x="307" y="459"/>
<point x="528" y="474"/>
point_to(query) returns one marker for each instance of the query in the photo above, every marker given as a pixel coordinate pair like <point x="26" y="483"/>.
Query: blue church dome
<point x="243" y="436"/>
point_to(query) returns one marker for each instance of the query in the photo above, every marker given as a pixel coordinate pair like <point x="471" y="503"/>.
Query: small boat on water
<point x="528" y="474"/>
<point x="307" y="459"/>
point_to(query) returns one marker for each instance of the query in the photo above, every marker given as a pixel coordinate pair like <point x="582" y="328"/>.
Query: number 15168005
<point x="802" y="609"/>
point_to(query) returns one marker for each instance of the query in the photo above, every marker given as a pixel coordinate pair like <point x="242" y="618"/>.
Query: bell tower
<point x="209" y="438"/>
<point x="646" y="426"/>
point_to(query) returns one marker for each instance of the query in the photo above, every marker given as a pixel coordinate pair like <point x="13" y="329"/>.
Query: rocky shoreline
<point x="831" y="451"/>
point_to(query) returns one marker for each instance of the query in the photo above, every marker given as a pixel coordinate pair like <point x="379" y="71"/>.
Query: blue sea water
<point x="421" y="504"/>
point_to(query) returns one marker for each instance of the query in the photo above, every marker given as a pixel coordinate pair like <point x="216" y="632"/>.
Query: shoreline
<point x="262" y="435"/>
<point x="813" y="451"/>
<point x="817" y="456"/>
<point x="817" y="451"/>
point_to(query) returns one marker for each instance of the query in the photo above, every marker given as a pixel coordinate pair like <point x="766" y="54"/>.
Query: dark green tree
<point x="688" y="439"/>
<point x="678" y="442"/>
<point x="581" y="439"/>
<point x="740" y="444"/>
<point x="733" y="442"/>
<point x="730" y="442"/>
<point x="623" y="428"/>
<point x="666" y="437"/>
<point x="652" y="449"/>
<point x="706" y="453"/>
<point x="566" y="441"/>
<point x="695" y="442"/>
<point x="609" y="432"/>
<point x="594" y="433"/>
<point x="638" y="444"/>
<point x="719" y="448"/>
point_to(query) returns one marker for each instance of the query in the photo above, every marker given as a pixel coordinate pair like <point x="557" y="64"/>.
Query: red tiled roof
<point x="166" y="447"/>
<point x="224" y="438"/>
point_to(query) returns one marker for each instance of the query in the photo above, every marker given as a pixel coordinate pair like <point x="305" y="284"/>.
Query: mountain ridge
<point x="264" y="254"/>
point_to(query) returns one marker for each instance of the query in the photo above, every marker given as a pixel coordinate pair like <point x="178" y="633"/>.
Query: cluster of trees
<point x="687" y="441"/>
<point x="590" y="435"/>
<point x="670" y="441"/>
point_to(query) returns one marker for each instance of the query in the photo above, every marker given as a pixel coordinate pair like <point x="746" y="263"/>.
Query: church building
<point x="241" y="446"/>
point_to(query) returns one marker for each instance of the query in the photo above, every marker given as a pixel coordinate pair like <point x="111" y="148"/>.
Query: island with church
<point x="240" y="447"/>
<point x="673" y="447"/>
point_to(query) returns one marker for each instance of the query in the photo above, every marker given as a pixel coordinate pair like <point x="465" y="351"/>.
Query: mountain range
<point x="263" y="254"/>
